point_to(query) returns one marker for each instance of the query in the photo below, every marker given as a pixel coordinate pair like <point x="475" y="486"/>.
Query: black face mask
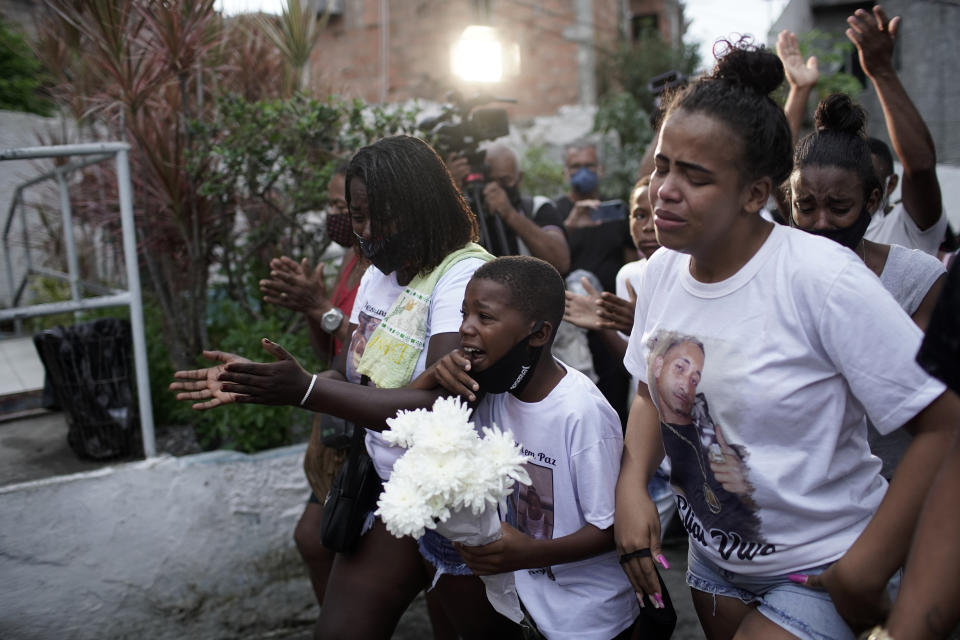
<point x="385" y="254"/>
<point x="513" y="371"/>
<point x="850" y="236"/>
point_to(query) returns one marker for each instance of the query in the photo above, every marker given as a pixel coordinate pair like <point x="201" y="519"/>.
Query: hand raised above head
<point x="874" y="36"/>
<point x="799" y="73"/>
<point x="204" y="384"/>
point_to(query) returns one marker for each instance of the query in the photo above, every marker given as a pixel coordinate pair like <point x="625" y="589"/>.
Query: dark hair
<point x="880" y="149"/>
<point x="536" y="287"/>
<point x="839" y="141"/>
<point x="736" y="93"/>
<point x="411" y="193"/>
<point x="341" y="168"/>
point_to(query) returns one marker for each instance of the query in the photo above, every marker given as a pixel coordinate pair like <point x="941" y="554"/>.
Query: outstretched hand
<point x="617" y="313"/>
<point x="204" y="384"/>
<point x="281" y="383"/>
<point x="297" y="287"/>
<point x="874" y="36"/>
<point x="799" y="74"/>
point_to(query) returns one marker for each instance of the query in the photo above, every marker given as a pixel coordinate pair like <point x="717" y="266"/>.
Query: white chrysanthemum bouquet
<point x="451" y="480"/>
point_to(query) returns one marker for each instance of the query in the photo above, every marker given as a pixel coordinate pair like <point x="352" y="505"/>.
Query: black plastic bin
<point x="89" y="368"/>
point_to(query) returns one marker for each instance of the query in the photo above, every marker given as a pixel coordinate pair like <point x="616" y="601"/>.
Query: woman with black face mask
<point x="413" y="225"/>
<point x="833" y="191"/>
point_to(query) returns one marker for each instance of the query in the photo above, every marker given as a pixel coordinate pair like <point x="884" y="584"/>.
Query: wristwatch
<point x="330" y="321"/>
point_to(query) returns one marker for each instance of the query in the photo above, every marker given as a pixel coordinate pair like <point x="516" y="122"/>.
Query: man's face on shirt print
<point x="678" y="373"/>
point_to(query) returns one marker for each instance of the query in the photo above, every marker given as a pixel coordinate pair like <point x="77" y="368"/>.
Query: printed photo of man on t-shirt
<point x="710" y="474"/>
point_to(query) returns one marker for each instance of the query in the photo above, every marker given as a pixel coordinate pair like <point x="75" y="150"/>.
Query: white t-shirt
<point x="574" y="439"/>
<point x="375" y="296"/>
<point x="908" y="275"/>
<point x="796" y="346"/>
<point x="897" y="227"/>
<point x="631" y="272"/>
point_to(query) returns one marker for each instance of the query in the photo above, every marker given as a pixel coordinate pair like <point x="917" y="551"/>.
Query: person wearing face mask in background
<point x="601" y="248"/>
<point x="833" y="189"/>
<point x="531" y="225"/>
<point x="918" y="220"/>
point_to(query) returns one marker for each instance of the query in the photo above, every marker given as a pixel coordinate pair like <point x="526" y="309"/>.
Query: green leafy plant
<point x="834" y="55"/>
<point x="541" y="174"/>
<point x="21" y="74"/>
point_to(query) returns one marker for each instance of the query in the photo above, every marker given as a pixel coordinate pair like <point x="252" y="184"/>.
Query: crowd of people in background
<point x="736" y="351"/>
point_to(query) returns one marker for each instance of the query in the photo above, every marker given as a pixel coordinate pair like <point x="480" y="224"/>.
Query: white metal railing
<point x="89" y="154"/>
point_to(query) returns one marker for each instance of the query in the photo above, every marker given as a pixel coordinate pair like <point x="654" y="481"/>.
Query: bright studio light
<point x="478" y="55"/>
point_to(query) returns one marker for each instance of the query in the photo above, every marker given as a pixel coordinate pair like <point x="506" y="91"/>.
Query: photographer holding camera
<point x="531" y="225"/>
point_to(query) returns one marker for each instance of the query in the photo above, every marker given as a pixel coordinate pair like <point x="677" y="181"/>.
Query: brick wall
<point x="421" y="32"/>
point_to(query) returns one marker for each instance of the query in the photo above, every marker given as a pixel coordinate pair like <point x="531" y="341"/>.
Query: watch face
<point x="331" y="320"/>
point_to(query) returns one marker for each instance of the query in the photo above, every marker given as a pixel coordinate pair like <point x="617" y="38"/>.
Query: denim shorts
<point x="807" y="613"/>
<point x="440" y="553"/>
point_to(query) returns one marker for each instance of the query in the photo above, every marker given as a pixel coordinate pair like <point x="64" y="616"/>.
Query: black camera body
<point x="459" y="130"/>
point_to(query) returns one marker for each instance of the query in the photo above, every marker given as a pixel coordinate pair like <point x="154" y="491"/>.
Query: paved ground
<point x="415" y="626"/>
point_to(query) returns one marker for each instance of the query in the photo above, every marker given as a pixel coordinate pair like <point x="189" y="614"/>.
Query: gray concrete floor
<point x="416" y="626"/>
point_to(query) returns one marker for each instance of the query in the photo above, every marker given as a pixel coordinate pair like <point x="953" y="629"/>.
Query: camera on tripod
<point x="458" y="131"/>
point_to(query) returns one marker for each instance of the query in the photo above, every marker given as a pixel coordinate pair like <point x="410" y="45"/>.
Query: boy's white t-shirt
<point x="897" y="227"/>
<point x="631" y="272"/>
<point x="797" y="346"/>
<point x="574" y="440"/>
<point x="375" y="296"/>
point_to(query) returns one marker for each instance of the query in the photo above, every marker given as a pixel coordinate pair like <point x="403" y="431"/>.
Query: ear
<point x="541" y="335"/>
<point x="657" y="367"/>
<point x="755" y="195"/>
<point x="894" y="181"/>
<point x="873" y="201"/>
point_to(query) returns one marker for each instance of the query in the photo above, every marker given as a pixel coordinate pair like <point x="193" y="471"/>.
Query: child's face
<point x="491" y="324"/>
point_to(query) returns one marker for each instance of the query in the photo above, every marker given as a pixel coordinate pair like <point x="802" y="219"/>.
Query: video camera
<point x="459" y="130"/>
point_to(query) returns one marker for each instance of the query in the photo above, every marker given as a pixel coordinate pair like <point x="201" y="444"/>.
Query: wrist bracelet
<point x="313" y="381"/>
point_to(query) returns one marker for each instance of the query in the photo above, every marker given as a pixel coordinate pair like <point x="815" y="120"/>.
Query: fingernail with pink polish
<point x="659" y="600"/>
<point x="652" y="600"/>
<point x="799" y="578"/>
<point x="663" y="561"/>
<point x="640" y="601"/>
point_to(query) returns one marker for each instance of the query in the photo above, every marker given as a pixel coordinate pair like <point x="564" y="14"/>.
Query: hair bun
<point x="837" y="112"/>
<point x="748" y="65"/>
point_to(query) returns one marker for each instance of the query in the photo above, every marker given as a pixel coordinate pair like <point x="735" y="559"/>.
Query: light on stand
<point x="478" y="56"/>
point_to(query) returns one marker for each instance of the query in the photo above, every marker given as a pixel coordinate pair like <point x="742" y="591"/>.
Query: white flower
<point x="446" y="467"/>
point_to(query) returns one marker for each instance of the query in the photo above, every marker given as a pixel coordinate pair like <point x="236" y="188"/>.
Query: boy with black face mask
<point x="566" y="570"/>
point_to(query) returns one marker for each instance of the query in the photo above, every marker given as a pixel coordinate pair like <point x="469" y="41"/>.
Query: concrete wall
<point x="193" y="547"/>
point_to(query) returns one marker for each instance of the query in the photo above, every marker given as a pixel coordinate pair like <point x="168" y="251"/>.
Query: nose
<point x="668" y="191"/>
<point x="466" y="326"/>
<point x="821" y="221"/>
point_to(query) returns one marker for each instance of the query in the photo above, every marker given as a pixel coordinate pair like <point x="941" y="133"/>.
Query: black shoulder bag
<point x="352" y="496"/>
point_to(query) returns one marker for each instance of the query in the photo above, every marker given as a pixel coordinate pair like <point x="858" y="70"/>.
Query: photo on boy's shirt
<point x="710" y="473"/>
<point x="533" y="504"/>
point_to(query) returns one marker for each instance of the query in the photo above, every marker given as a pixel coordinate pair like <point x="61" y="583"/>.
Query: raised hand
<point x="799" y="73"/>
<point x="617" y="313"/>
<point x="874" y="36"/>
<point x="282" y="382"/>
<point x="579" y="216"/>
<point x="297" y="287"/>
<point x="203" y="385"/>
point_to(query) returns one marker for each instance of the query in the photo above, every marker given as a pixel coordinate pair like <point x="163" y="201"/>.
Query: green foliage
<point x="626" y="102"/>
<point x="250" y="428"/>
<point x="541" y="175"/>
<point x="21" y="75"/>
<point x="621" y="113"/>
